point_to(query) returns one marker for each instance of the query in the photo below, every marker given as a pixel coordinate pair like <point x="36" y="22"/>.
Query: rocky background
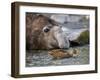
<point x="76" y="27"/>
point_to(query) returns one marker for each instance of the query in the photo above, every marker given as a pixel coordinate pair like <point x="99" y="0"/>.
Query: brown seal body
<point x="59" y="53"/>
<point x="44" y="33"/>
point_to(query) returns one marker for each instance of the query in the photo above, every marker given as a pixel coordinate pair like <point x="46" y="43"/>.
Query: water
<point x="76" y="25"/>
<point x="42" y="58"/>
<point x="72" y="30"/>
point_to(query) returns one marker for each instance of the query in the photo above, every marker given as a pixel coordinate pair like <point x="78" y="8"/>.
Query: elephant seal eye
<point x="46" y="30"/>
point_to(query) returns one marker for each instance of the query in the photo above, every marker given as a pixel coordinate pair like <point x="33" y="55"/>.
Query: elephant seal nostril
<point x="46" y="30"/>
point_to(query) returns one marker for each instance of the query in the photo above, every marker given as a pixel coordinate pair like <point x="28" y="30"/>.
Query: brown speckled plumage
<point x="59" y="53"/>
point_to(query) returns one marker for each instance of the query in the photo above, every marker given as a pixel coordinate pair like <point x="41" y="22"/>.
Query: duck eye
<point x="46" y="30"/>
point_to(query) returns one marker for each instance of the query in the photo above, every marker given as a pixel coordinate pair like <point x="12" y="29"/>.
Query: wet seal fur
<point x="44" y="33"/>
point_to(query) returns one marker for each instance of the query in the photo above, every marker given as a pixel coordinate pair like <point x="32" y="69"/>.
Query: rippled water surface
<point x="37" y="58"/>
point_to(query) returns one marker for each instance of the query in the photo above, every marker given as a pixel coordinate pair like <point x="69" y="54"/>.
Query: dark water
<point x="42" y="58"/>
